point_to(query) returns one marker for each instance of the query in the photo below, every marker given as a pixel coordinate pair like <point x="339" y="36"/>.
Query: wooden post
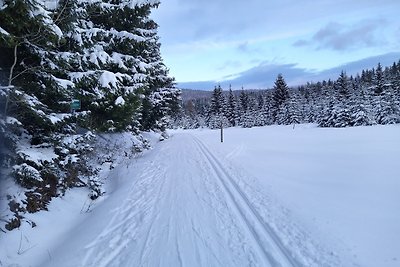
<point x="222" y="132"/>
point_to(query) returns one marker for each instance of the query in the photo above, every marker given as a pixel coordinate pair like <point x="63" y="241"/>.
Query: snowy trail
<point x="180" y="206"/>
<point x="268" y="242"/>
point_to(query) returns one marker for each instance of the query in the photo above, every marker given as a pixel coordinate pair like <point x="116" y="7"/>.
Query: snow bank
<point x="32" y="244"/>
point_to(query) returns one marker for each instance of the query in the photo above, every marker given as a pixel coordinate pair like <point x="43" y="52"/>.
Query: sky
<point x="248" y="43"/>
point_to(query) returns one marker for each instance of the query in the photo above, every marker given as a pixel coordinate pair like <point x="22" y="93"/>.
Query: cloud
<point x="342" y="37"/>
<point x="301" y="43"/>
<point x="230" y="64"/>
<point x="264" y="75"/>
<point x="243" y="47"/>
<point x="260" y="76"/>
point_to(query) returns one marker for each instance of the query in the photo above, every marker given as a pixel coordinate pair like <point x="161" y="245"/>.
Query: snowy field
<point x="343" y="184"/>
<point x="268" y="196"/>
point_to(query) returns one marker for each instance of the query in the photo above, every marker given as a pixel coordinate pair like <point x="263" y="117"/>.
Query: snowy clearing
<point x="268" y="196"/>
<point x="342" y="184"/>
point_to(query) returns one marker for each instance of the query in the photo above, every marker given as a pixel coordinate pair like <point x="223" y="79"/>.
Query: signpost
<point x="75" y="105"/>
<point x="222" y="131"/>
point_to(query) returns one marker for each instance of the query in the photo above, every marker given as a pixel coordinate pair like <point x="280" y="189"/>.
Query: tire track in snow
<point x="275" y="254"/>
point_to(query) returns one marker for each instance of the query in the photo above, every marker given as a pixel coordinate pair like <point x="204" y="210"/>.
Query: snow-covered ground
<point x="270" y="196"/>
<point x="343" y="184"/>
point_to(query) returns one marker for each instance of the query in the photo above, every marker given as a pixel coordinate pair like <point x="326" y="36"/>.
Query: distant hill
<point x="188" y="94"/>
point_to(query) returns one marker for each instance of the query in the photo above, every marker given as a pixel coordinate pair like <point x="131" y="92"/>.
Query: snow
<point x="58" y="117"/>
<point x="80" y="75"/>
<point x="266" y="196"/>
<point x="127" y="35"/>
<point x="27" y="171"/>
<point x="2" y="6"/>
<point x="53" y="119"/>
<point x="2" y="31"/>
<point x="50" y="4"/>
<point x="64" y="83"/>
<point x="342" y="183"/>
<point x="38" y="155"/>
<point x="127" y="3"/>
<point x="47" y="18"/>
<point x="109" y="79"/>
<point x="120" y="101"/>
<point x="12" y="120"/>
<point x="97" y="54"/>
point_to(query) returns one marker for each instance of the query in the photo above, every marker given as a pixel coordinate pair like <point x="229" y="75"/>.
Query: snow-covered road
<point x="182" y="206"/>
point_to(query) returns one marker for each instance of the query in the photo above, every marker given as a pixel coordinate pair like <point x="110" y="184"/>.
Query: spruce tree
<point x="106" y="54"/>
<point x="378" y="80"/>
<point x="244" y="101"/>
<point x="293" y="109"/>
<point x="342" y="87"/>
<point x="115" y="65"/>
<point x="231" y="107"/>
<point x="217" y="102"/>
<point x="280" y="95"/>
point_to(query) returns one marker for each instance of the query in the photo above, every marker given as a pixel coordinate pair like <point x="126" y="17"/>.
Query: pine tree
<point x="293" y="109"/>
<point x="342" y="87"/>
<point x="231" y="108"/>
<point x="217" y="101"/>
<point x="216" y="111"/>
<point x="105" y="54"/>
<point x="360" y="111"/>
<point x="244" y="101"/>
<point x="280" y="95"/>
<point x="342" y="106"/>
<point x="378" y="80"/>
<point x="28" y="36"/>
<point x="115" y="66"/>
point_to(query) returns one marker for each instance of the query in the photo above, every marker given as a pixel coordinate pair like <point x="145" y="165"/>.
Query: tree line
<point x="372" y="97"/>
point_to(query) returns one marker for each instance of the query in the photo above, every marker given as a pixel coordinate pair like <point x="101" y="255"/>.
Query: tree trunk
<point x="10" y="78"/>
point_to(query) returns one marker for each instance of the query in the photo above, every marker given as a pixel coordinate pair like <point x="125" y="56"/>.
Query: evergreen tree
<point x="105" y="54"/>
<point x="244" y="100"/>
<point x="293" y="109"/>
<point x="342" y="87"/>
<point x="231" y="108"/>
<point x="216" y="110"/>
<point x="378" y="80"/>
<point x="372" y="97"/>
<point x="114" y="64"/>
<point x="360" y="110"/>
<point x="280" y="95"/>
<point x="27" y="38"/>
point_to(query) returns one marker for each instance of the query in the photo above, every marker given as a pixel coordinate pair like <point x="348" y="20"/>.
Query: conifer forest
<point x="368" y="98"/>
<point x="103" y="55"/>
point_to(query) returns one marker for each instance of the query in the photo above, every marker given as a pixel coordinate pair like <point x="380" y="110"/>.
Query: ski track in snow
<point x="267" y="241"/>
<point x="185" y="207"/>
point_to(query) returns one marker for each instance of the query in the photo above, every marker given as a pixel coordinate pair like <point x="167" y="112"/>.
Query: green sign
<point x="75" y="104"/>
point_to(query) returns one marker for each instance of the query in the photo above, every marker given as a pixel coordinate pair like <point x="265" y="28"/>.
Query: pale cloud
<point x="341" y="37"/>
<point x="264" y="74"/>
<point x="230" y="64"/>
